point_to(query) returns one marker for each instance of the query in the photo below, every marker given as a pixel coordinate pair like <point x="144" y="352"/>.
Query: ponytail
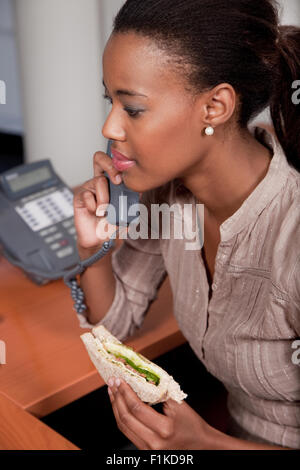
<point x="285" y="101"/>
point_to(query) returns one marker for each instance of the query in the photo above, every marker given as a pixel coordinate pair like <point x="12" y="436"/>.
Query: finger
<point x="172" y="408"/>
<point x="88" y="186"/>
<point x="89" y="201"/>
<point x="147" y="416"/>
<point x="110" y="394"/>
<point x="102" y="162"/>
<point x="92" y="194"/>
<point x="84" y="199"/>
<point x="136" y="440"/>
<point x="128" y="423"/>
<point x="105" y="230"/>
<point x="102" y="192"/>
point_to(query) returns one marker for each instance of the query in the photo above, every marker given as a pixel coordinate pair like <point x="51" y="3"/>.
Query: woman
<point x="184" y="80"/>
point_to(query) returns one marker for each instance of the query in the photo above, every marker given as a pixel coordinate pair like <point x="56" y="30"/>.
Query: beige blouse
<point x="244" y="333"/>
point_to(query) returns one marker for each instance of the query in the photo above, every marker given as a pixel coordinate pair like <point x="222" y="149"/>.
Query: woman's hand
<point x="88" y="198"/>
<point x="180" y="427"/>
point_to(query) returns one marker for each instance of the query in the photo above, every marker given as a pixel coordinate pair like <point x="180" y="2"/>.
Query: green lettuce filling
<point x="149" y="375"/>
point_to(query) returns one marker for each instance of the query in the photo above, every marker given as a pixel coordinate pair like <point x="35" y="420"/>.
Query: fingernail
<point x="118" y="179"/>
<point x="111" y="382"/>
<point x="118" y="382"/>
<point x="109" y="392"/>
<point x="100" y="212"/>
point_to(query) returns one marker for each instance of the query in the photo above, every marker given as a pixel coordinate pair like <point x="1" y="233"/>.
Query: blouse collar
<point x="264" y="192"/>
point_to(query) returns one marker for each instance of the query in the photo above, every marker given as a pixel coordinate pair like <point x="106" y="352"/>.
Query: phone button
<point x="64" y="242"/>
<point x="57" y="236"/>
<point x="55" y="246"/>
<point x="65" y="252"/>
<point x="50" y="239"/>
<point x="47" y="231"/>
<point x="68" y="223"/>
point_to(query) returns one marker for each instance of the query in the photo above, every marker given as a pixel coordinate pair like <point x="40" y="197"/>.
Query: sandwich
<point x="113" y="359"/>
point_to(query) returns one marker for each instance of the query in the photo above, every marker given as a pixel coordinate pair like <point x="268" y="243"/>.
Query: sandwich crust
<point x="108" y="367"/>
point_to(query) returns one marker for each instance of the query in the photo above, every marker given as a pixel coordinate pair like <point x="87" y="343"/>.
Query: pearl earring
<point x="209" y="131"/>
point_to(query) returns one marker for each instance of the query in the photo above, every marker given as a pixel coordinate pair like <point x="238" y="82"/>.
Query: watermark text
<point x="2" y="92"/>
<point x="176" y="221"/>
<point x="296" y="94"/>
<point x="296" y="354"/>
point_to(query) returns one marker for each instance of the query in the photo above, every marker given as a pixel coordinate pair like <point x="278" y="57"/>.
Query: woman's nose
<point x="112" y="129"/>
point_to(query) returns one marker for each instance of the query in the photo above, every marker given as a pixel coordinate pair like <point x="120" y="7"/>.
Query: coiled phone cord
<point x="70" y="278"/>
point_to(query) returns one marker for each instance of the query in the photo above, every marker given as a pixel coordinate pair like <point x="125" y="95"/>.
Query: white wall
<point x="290" y="13"/>
<point x="61" y="44"/>
<point x="108" y="8"/>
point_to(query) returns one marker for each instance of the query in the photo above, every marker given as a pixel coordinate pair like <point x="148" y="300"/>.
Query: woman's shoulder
<point x="286" y="205"/>
<point x="285" y="222"/>
<point x="290" y="200"/>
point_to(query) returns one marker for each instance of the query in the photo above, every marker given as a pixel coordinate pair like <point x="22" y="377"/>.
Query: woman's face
<point x="164" y="136"/>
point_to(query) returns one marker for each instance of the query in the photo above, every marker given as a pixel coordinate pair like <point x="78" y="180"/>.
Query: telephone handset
<point x="121" y="201"/>
<point x="121" y="198"/>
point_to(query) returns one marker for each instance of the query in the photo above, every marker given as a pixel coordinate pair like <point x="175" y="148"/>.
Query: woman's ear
<point x="218" y="105"/>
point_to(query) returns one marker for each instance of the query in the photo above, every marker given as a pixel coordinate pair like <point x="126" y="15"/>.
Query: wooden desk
<point x="47" y="365"/>
<point x="20" y="430"/>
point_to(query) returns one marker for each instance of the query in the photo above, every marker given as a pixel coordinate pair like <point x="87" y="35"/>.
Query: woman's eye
<point x="131" y="112"/>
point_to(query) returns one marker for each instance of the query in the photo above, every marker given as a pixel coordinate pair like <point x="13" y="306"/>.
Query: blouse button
<point x="214" y="286"/>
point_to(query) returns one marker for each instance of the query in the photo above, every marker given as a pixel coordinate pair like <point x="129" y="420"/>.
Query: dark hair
<point x="233" y="41"/>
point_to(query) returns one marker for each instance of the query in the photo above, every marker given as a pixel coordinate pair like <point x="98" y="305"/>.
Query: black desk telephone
<point x="37" y="230"/>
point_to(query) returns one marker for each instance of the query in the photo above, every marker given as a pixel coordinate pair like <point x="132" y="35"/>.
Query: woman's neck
<point x="228" y="174"/>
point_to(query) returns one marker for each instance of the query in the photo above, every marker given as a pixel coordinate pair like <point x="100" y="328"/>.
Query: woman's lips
<point x="121" y="162"/>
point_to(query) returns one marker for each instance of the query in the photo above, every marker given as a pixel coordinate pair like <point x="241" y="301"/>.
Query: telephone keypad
<point x="46" y="208"/>
<point x="54" y="208"/>
<point x="60" y="247"/>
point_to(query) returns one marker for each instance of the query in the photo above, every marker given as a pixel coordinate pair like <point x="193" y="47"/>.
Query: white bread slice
<point x="108" y="367"/>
